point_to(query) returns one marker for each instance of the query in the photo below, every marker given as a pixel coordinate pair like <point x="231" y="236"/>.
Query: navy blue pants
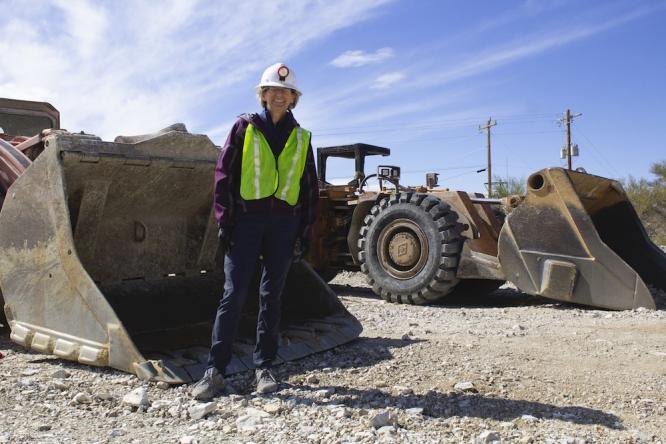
<point x="273" y="237"/>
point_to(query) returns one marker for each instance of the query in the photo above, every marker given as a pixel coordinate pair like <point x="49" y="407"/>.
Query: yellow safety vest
<point x="260" y="177"/>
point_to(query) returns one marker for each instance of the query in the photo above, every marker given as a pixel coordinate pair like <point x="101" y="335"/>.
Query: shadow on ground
<point x="438" y="405"/>
<point x="365" y="352"/>
<point x="353" y="291"/>
<point x="501" y="298"/>
<point x="505" y="297"/>
<point x="359" y="353"/>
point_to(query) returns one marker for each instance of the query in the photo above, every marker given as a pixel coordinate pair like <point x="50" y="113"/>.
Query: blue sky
<point x="418" y="77"/>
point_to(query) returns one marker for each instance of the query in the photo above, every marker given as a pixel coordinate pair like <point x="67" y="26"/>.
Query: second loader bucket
<point x="577" y="238"/>
<point x="109" y="256"/>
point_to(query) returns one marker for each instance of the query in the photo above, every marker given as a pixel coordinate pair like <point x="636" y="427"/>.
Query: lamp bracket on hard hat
<point x="283" y="72"/>
<point x="278" y="75"/>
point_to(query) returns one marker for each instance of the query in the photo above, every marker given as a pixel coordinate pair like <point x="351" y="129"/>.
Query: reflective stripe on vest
<point x="260" y="177"/>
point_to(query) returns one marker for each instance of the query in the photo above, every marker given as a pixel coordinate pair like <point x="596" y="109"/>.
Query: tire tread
<point x="446" y="220"/>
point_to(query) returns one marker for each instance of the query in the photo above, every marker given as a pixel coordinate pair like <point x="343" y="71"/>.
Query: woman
<point x="265" y="199"/>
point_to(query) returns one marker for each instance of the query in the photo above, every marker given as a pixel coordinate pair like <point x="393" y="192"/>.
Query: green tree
<point x="640" y="193"/>
<point x="659" y="170"/>
<point x="649" y="200"/>
<point x="504" y="187"/>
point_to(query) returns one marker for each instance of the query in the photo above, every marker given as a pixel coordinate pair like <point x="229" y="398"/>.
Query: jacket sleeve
<point x="227" y="174"/>
<point x="309" y="193"/>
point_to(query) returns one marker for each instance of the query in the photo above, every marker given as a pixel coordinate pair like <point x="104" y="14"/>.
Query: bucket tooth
<point x="558" y="280"/>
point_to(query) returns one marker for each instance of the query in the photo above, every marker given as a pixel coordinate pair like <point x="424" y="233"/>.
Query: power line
<point x="430" y="139"/>
<point x="459" y="175"/>
<point x="434" y="169"/>
<point x="444" y="123"/>
<point x="598" y="153"/>
<point x="513" y="133"/>
<point x="403" y="128"/>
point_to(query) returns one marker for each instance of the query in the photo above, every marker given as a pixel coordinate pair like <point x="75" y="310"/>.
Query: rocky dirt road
<point x="508" y="368"/>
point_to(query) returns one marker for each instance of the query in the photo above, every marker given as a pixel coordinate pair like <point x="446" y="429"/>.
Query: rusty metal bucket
<point x="108" y="256"/>
<point x="577" y="238"/>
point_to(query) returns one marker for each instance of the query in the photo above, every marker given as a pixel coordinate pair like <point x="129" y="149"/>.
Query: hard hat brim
<point x="277" y="85"/>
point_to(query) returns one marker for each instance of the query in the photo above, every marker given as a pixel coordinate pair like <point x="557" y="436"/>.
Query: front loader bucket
<point x="577" y="238"/>
<point x="108" y="256"/>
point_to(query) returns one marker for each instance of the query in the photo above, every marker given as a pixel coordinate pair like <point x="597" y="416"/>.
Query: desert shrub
<point x="504" y="187"/>
<point x="649" y="199"/>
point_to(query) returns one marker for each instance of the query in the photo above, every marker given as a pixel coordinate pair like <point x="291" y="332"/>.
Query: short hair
<point x="260" y="93"/>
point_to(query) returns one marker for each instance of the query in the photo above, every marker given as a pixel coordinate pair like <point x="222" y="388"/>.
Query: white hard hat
<point x="279" y="75"/>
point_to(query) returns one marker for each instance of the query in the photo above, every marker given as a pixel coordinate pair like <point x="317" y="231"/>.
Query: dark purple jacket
<point x="226" y="195"/>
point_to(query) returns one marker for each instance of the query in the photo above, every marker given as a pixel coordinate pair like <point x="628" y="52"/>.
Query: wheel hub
<point x="402" y="249"/>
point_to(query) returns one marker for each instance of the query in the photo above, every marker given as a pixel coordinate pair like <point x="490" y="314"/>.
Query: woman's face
<point x="278" y="100"/>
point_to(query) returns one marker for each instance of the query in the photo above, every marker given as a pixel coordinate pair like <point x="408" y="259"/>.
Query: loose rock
<point x="325" y="393"/>
<point x="415" y="411"/>
<point x="402" y="390"/>
<point x="60" y="385"/>
<point x="60" y="374"/>
<point x="200" y="410"/>
<point x="488" y="437"/>
<point x="312" y="379"/>
<point x="137" y="398"/>
<point x="386" y="430"/>
<point x="251" y="419"/>
<point x="81" y="398"/>
<point x="273" y="407"/>
<point x="465" y="387"/>
<point x="381" y="419"/>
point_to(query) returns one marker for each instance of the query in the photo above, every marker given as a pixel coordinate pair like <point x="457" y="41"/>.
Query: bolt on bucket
<point x="109" y="257"/>
<point x="577" y="238"/>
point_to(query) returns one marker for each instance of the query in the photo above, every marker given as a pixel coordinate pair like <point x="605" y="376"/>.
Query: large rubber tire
<point x="409" y="248"/>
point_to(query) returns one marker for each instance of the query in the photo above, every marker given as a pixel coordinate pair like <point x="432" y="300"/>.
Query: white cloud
<point x="140" y="66"/>
<point x="85" y="23"/>
<point x="359" y="58"/>
<point x="386" y="80"/>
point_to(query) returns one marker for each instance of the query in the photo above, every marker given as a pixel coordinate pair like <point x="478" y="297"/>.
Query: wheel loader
<point x="573" y="237"/>
<point x="109" y="253"/>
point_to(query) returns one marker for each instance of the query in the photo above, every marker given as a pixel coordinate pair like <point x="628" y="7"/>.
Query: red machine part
<point x="12" y="163"/>
<point x="16" y="154"/>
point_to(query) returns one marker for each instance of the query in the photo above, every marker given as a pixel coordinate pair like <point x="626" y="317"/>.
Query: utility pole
<point x="489" y="124"/>
<point x="568" y="118"/>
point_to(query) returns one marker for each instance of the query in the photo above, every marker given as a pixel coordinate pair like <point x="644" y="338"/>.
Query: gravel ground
<point x="504" y="368"/>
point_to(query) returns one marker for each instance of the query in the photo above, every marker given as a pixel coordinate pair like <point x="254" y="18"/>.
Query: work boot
<point x="209" y="386"/>
<point x="266" y="382"/>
